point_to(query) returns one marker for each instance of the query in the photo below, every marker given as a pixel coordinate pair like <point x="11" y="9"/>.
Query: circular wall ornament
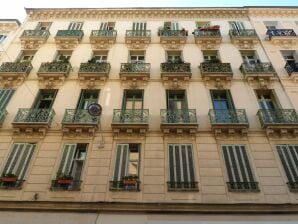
<point x="94" y="109"/>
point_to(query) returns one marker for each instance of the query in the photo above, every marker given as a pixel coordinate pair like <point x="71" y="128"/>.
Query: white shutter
<point x="67" y="158"/>
<point x="121" y="161"/>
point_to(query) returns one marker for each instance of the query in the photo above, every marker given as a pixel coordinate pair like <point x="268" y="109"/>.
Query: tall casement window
<point x="181" y="168"/>
<point x="43" y="26"/>
<point x="127" y="166"/>
<point x="174" y="56"/>
<point x="2" y="38"/>
<point x="69" y="173"/>
<point x="250" y="58"/>
<point x="63" y="56"/>
<point x="239" y="171"/>
<point x="139" y="28"/>
<point x="237" y="25"/>
<point x="171" y="25"/>
<point x="107" y="26"/>
<point x="5" y="95"/>
<point x="288" y="155"/>
<point x="136" y="57"/>
<point x="211" y="56"/>
<point x="45" y="99"/>
<point x="75" y="26"/>
<point x="270" y="25"/>
<point x="14" y="171"/>
<point x="26" y="56"/>
<point x="100" y="56"/>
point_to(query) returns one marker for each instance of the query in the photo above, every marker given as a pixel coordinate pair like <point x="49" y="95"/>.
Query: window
<point x="100" y="56"/>
<point x="176" y="100"/>
<point x="249" y="57"/>
<point x="290" y="56"/>
<point x="2" y="38"/>
<point x="171" y="25"/>
<point x="237" y="25"/>
<point x="270" y="25"/>
<point x="126" y="167"/>
<point x="239" y="171"/>
<point x="43" y="26"/>
<point x="222" y="100"/>
<point x="137" y="56"/>
<point x="63" y="56"/>
<point x="71" y="166"/>
<point x="107" y="26"/>
<point x="288" y="155"/>
<point x="5" y="95"/>
<point x="75" y="26"/>
<point x="45" y="99"/>
<point x="174" y="56"/>
<point x="181" y="168"/>
<point x="211" y="56"/>
<point x="26" y="56"/>
<point x="203" y="24"/>
<point x="87" y="97"/>
<point x="139" y="26"/>
<point x="133" y="100"/>
<point x="17" y="164"/>
<point x="267" y="100"/>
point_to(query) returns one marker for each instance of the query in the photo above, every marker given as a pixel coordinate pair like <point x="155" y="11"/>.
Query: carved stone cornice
<point x="273" y="12"/>
<point x="6" y="27"/>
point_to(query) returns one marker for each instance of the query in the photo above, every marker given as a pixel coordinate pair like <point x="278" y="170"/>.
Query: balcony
<point x="228" y="121"/>
<point x="208" y="38"/>
<point x="286" y="38"/>
<point x="217" y="72"/>
<point x="175" y="73"/>
<point x="135" y="73"/>
<point x="28" y="121"/>
<point x="292" y="69"/>
<point x="11" y="185"/>
<point x="94" y="73"/>
<point x="74" y="185"/>
<point x="3" y="114"/>
<point x="262" y="73"/>
<point x="68" y="39"/>
<point x="182" y="186"/>
<point x="130" y="121"/>
<point x="280" y="121"/>
<point x="34" y="39"/>
<point x="293" y="186"/>
<point x="244" y="39"/>
<point x="103" y="39"/>
<point x="243" y="186"/>
<point x="173" y="39"/>
<point x="14" y="73"/>
<point x="53" y="73"/>
<point x="179" y="121"/>
<point x="121" y="186"/>
<point x="138" y="39"/>
<point x="79" y="122"/>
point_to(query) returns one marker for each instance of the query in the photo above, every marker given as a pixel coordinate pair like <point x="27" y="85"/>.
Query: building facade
<point x="198" y="122"/>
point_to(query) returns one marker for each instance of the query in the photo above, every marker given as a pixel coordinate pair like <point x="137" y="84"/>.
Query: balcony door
<point x="171" y="26"/>
<point x="177" y="106"/>
<point x="45" y="99"/>
<point x="139" y="28"/>
<point x="224" y="110"/>
<point x="237" y="25"/>
<point x="249" y="58"/>
<point x="87" y="97"/>
<point x="132" y="106"/>
<point x="269" y="105"/>
<point x="75" y="26"/>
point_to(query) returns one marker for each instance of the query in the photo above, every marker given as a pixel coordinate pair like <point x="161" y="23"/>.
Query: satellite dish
<point x="94" y="109"/>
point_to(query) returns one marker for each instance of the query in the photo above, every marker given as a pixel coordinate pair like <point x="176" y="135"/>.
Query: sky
<point x="14" y="9"/>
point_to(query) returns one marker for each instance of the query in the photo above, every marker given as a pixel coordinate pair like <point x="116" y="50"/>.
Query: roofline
<point x="12" y="20"/>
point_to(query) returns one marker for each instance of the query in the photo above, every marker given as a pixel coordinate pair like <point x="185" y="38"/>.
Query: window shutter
<point x="121" y="161"/>
<point x="67" y="158"/>
<point x="104" y="26"/>
<point x="172" y="163"/>
<point x="5" y="95"/>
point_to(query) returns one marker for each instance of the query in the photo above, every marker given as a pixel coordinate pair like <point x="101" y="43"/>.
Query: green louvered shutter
<point x="67" y="158"/>
<point x="121" y="161"/>
<point x="19" y="159"/>
<point x="5" y="95"/>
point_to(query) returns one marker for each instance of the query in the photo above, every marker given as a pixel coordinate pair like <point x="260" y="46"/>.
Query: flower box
<point x="132" y="182"/>
<point x="9" y="179"/>
<point x="64" y="181"/>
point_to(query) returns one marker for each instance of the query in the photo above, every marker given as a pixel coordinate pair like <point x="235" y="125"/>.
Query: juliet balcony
<point x="279" y="121"/>
<point x="123" y="186"/>
<point x="103" y="39"/>
<point x="79" y="122"/>
<point x="130" y="121"/>
<point x="138" y="39"/>
<point x="217" y="72"/>
<point x="285" y="37"/>
<point x="292" y="70"/>
<point x="179" y="121"/>
<point x="66" y="185"/>
<point x="134" y="73"/>
<point x="68" y="39"/>
<point x="243" y="186"/>
<point x="228" y="121"/>
<point x="173" y="39"/>
<point x="208" y="37"/>
<point x="14" y="73"/>
<point x="175" y="72"/>
<point x="293" y="186"/>
<point x="29" y="121"/>
<point x="3" y="114"/>
<point x="244" y="39"/>
<point x="34" y="39"/>
<point x="182" y="186"/>
<point x="262" y="73"/>
<point x="93" y="73"/>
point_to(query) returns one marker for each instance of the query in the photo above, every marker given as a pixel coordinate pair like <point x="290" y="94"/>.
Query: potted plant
<point x="130" y="180"/>
<point x="92" y="60"/>
<point x="64" y="178"/>
<point x="9" y="177"/>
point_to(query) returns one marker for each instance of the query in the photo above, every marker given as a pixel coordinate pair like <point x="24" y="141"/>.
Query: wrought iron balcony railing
<point x="172" y="33"/>
<point x="55" y="67"/>
<point x="278" y="117"/>
<point x="76" y="116"/>
<point x="70" y="34"/>
<point x="293" y="186"/>
<point x="207" y="33"/>
<point x="3" y="114"/>
<point x="74" y="185"/>
<point x="182" y="186"/>
<point x="95" y="68"/>
<point x="16" y="67"/>
<point x="243" y="186"/>
<point x="103" y="33"/>
<point x="35" y="34"/>
<point x="131" y="116"/>
<point x="291" y="67"/>
<point x="170" y="67"/>
<point x="258" y="68"/>
<point x="280" y="33"/>
<point x="227" y="117"/>
<point x="34" y="116"/>
<point x="11" y="184"/>
<point x="138" y="33"/>
<point x="242" y="33"/>
<point x="122" y="186"/>
<point x="135" y="68"/>
<point x="187" y="116"/>
<point x="215" y="68"/>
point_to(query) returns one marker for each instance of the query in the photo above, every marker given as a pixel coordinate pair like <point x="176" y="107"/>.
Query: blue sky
<point x="14" y="9"/>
